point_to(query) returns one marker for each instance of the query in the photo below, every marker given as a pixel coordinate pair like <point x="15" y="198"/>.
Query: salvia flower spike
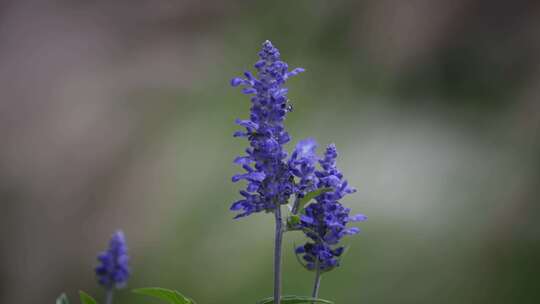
<point x="325" y="221"/>
<point x="113" y="269"/>
<point x="270" y="182"/>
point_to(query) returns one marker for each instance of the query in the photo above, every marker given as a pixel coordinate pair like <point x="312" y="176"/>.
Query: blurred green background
<point x="119" y="114"/>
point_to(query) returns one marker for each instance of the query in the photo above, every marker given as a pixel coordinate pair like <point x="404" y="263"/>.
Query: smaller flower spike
<point x="113" y="271"/>
<point x="325" y="221"/>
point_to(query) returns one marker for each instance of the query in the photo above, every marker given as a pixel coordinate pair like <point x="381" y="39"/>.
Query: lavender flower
<point x="325" y="221"/>
<point x="302" y="165"/>
<point x="270" y="182"/>
<point x="113" y="270"/>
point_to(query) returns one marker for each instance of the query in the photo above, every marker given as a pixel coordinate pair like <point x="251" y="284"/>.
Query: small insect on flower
<point x="289" y="106"/>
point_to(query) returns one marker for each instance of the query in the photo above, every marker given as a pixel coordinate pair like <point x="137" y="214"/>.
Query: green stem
<point x="109" y="296"/>
<point x="277" y="255"/>
<point x="296" y="205"/>
<point x="317" y="283"/>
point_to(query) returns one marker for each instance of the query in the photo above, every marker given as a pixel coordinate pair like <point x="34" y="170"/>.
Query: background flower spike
<point x="113" y="270"/>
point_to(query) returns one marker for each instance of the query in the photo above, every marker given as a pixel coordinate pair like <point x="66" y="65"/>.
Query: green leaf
<point x="295" y="300"/>
<point x="86" y="298"/>
<point x="171" y="296"/>
<point x="311" y="195"/>
<point x="292" y="222"/>
<point x="62" y="299"/>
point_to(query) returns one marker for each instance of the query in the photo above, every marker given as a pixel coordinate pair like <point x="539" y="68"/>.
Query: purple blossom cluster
<point x="325" y="221"/>
<point x="270" y="182"/>
<point x="113" y="270"/>
<point x="302" y="165"/>
<point x="273" y="177"/>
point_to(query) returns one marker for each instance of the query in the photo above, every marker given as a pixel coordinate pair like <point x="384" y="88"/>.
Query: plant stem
<point x="296" y="205"/>
<point x="277" y="255"/>
<point x="109" y="296"/>
<point x="317" y="283"/>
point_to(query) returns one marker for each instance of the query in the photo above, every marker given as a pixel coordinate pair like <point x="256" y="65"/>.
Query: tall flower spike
<point x="269" y="179"/>
<point x="325" y="221"/>
<point x="113" y="270"/>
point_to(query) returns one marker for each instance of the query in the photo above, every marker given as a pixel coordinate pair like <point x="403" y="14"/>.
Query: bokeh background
<point x="119" y="114"/>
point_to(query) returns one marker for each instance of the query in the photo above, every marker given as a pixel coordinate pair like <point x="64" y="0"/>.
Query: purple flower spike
<point x="325" y="221"/>
<point x="113" y="270"/>
<point x="270" y="181"/>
